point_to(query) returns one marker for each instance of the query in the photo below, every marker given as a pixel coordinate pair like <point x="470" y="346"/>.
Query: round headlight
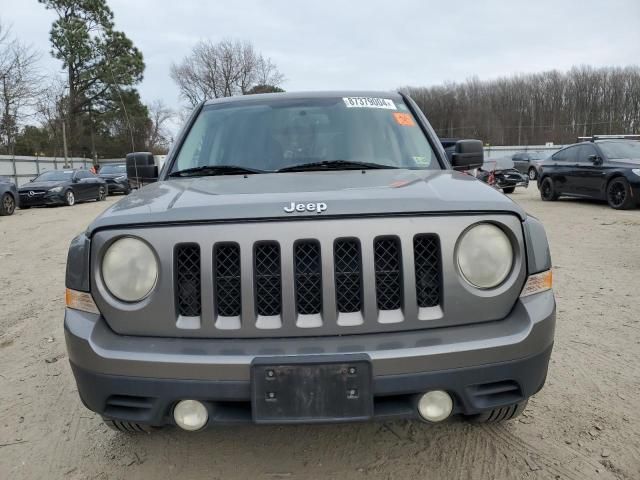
<point x="485" y="256"/>
<point x="129" y="269"/>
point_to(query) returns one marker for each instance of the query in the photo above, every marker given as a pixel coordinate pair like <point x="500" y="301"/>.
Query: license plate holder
<point x="311" y="390"/>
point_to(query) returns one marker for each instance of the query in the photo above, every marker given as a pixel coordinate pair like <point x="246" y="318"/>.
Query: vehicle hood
<point x="41" y="185"/>
<point x="345" y="193"/>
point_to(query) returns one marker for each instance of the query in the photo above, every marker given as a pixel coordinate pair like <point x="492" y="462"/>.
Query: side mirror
<point x="468" y="154"/>
<point x="595" y="159"/>
<point x="141" y="169"/>
<point x="75" y="179"/>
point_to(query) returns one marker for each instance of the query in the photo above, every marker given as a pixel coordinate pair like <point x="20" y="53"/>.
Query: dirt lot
<point x="583" y="425"/>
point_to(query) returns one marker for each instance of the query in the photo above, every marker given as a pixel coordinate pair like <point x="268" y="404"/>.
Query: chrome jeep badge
<point x="306" y="207"/>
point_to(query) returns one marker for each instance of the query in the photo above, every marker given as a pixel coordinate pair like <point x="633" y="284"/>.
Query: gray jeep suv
<point x="309" y="258"/>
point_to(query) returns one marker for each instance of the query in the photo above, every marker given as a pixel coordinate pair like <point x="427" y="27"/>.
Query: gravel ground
<point x="584" y="424"/>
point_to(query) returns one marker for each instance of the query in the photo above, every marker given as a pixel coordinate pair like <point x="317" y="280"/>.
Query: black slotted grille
<point x="388" y="279"/>
<point x="188" y="283"/>
<point x="426" y="250"/>
<point x="227" y="277"/>
<point x="308" y="277"/>
<point x="268" y="279"/>
<point x="348" y="275"/>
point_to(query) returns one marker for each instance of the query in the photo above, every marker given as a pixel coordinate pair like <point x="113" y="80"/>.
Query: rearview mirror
<point x="468" y="154"/>
<point x="141" y="169"/>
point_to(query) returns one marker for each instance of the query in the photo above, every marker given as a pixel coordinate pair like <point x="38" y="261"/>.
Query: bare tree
<point x="50" y="109"/>
<point x="267" y="73"/>
<point x="223" y="69"/>
<point x="19" y="85"/>
<point x="159" y="137"/>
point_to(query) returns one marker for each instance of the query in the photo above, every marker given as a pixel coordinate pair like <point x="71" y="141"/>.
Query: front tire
<point x="69" y="198"/>
<point x="509" y="189"/>
<point x="127" y="427"/>
<point x="619" y="194"/>
<point x="102" y="194"/>
<point x="501" y="414"/>
<point x="533" y="174"/>
<point x="548" y="191"/>
<point x="7" y="205"/>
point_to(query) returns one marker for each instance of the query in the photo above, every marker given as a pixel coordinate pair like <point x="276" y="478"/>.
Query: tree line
<point x="536" y="108"/>
<point x="95" y="109"/>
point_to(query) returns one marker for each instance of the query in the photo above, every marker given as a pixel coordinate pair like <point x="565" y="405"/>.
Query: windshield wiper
<point x="334" y="165"/>
<point x="210" y="170"/>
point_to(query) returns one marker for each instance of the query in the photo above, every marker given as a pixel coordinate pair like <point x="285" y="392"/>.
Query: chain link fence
<point x="22" y="168"/>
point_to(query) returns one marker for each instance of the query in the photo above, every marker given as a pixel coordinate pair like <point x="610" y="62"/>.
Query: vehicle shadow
<point x="396" y="449"/>
<point x="295" y="451"/>
<point x="587" y="202"/>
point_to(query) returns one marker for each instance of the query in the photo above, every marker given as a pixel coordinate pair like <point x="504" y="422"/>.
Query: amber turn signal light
<point x="537" y="283"/>
<point x="80" y="301"/>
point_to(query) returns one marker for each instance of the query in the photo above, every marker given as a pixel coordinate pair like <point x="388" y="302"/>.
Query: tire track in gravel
<point x="533" y="456"/>
<point x="580" y="392"/>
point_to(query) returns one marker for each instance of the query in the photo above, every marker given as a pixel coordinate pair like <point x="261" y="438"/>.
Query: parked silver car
<point x="529" y="163"/>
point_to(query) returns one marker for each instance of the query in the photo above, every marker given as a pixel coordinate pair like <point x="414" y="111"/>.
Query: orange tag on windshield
<point x="404" y="119"/>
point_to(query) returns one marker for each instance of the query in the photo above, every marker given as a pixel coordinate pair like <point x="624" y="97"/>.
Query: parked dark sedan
<point x="600" y="169"/>
<point x="500" y="173"/>
<point x="9" y="197"/>
<point x="62" y="187"/>
<point x="115" y="174"/>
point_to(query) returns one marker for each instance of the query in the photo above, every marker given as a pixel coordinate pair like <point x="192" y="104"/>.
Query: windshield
<point x="54" y="176"/>
<point x="270" y="135"/>
<point x="537" y="156"/>
<point x="111" y="169"/>
<point x="628" y="149"/>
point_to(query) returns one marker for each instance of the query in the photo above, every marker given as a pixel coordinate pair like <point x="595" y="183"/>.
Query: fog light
<point x="190" y="415"/>
<point x="435" y="406"/>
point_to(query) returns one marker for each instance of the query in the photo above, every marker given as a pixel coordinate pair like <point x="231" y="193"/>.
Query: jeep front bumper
<point x="482" y="366"/>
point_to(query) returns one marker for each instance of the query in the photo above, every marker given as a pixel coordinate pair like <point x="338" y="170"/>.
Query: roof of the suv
<point x="299" y="95"/>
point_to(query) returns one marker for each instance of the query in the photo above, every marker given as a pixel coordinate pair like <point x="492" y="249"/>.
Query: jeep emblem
<point x="306" y="207"/>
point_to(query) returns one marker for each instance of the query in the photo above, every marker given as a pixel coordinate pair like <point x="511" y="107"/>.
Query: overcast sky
<point x="372" y="44"/>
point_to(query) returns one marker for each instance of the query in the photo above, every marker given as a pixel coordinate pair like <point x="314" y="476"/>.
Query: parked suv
<point x="309" y="257"/>
<point x="599" y="169"/>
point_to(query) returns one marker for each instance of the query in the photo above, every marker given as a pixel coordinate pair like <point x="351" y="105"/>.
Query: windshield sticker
<point x="369" y="102"/>
<point x="421" y="160"/>
<point x="404" y="119"/>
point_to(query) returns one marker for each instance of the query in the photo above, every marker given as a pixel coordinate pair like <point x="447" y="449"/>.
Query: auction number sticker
<point x="369" y="102"/>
